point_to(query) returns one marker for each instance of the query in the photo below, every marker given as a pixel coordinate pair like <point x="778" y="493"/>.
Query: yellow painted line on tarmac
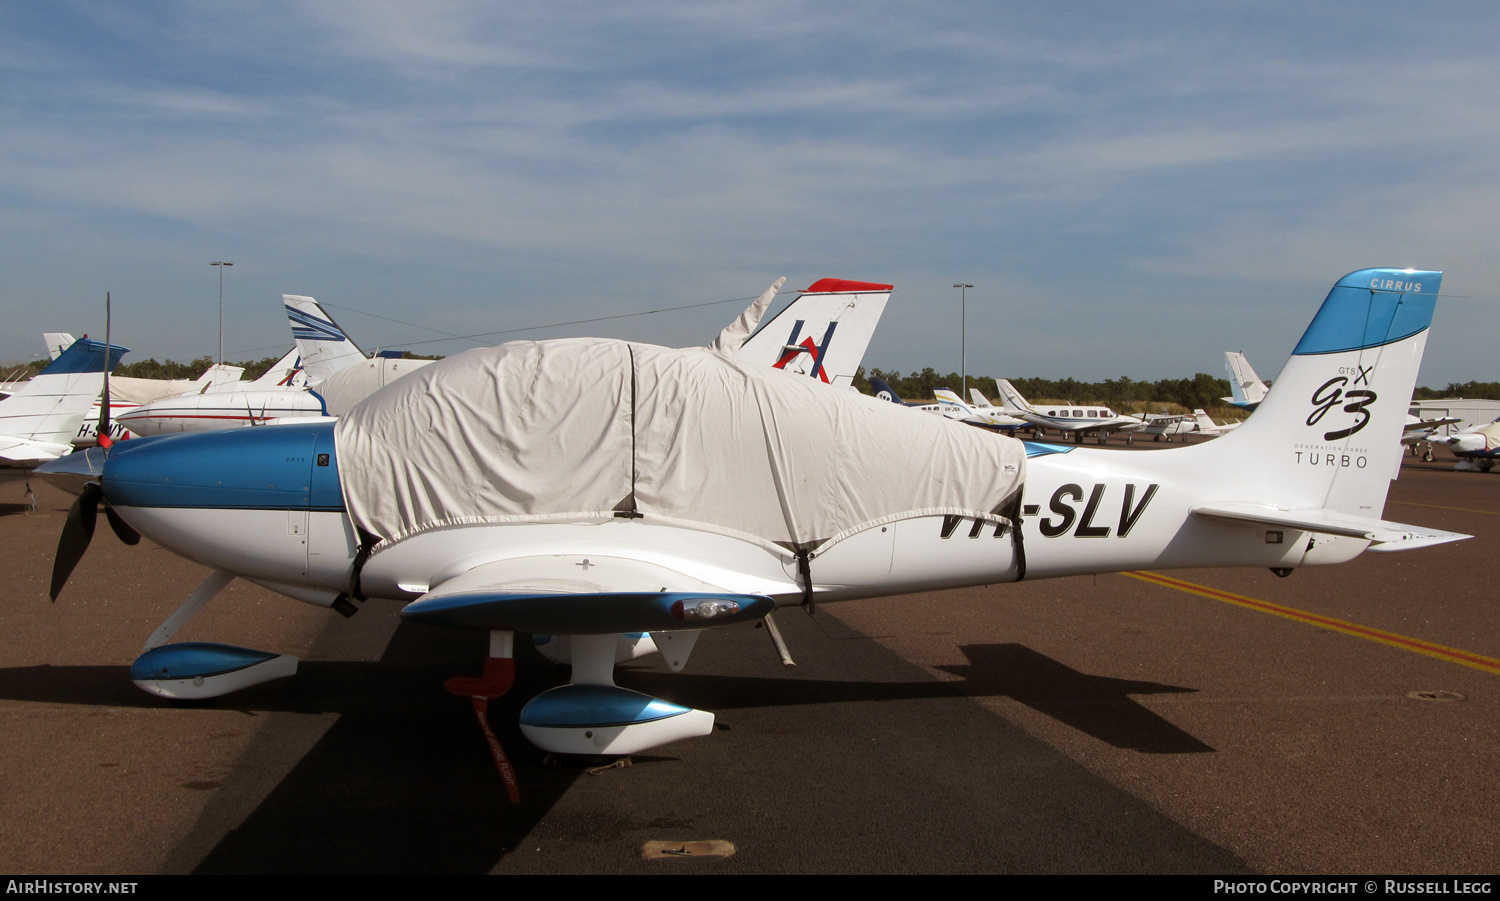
<point x="1441" y="507"/>
<point x="1451" y="655"/>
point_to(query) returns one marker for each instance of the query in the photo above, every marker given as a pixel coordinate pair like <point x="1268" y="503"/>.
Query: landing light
<point x="703" y="608"/>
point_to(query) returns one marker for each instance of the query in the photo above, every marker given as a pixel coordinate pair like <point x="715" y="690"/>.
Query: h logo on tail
<point x="808" y="346"/>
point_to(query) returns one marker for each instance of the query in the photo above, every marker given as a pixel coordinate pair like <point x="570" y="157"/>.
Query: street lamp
<point x="221" y="264"/>
<point x="963" y="334"/>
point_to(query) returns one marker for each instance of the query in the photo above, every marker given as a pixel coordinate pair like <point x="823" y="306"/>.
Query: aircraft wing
<point x="19" y="450"/>
<point x="588" y="614"/>
<point x="1429" y="424"/>
<point x="615" y="595"/>
<point x="1386" y="536"/>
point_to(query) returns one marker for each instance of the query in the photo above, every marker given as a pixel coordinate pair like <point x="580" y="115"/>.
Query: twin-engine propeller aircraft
<point x="951" y="406"/>
<point x="597" y="489"/>
<point x="1070" y="420"/>
<point x="1476" y="448"/>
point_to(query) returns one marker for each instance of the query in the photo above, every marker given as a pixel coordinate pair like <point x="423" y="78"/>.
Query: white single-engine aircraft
<point x="40" y="417"/>
<point x="592" y="488"/>
<point x="126" y="393"/>
<point x="1246" y="388"/>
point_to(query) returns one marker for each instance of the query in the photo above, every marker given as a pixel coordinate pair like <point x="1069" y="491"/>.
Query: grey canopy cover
<point x="583" y="430"/>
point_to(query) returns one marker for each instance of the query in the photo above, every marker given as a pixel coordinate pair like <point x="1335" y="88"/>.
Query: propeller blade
<point x="123" y="531"/>
<point x="77" y="532"/>
<point x="103" y="428"/>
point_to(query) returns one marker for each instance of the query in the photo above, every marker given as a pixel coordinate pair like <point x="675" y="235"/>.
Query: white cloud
<point x="606" y="150"/>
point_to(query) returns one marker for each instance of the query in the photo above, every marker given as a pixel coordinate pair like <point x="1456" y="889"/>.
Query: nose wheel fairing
<point x="196" y="670"/>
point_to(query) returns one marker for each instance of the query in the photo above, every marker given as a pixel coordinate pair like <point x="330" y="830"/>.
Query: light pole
<point x="963" y="335"/>
<point x="221" y="264"/>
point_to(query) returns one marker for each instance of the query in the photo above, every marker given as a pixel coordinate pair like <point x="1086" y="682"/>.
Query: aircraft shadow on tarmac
<point x="401" y="780"/>
<point x="1098" y="705"/>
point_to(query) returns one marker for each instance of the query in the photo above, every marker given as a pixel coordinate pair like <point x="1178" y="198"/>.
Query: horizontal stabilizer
<point x="586" y="614"/>
<point x="1387" y="536"/>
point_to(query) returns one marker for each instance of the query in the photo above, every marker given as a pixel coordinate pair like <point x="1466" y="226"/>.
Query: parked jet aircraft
<point x="1075" y="421"/>
<point x="38" y="420"/>
<point x="128" y="393"/>
<point x="591" y="488"/>
<point x="800" y="338"/>
<point x="883" y="391"/>
<point x="282" y="393"/>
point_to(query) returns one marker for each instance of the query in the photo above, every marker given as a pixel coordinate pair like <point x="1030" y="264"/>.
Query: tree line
<point x="1201" y="391"/>
<point x="169" y="369"/>
<point x="1472" y="390"/>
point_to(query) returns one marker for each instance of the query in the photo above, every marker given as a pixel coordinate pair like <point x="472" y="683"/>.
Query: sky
<point x="1132" y="189"/>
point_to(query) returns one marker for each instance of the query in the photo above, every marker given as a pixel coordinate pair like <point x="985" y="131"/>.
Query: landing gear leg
<point x="196" y="601"/>
<point x="499" y="675"/>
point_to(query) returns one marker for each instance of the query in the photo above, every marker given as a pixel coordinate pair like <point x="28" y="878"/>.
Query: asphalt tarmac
<point x="1089" y="725"/>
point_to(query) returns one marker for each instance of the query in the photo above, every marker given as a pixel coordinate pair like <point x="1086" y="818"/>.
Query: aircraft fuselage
<point x="266" y="505"/>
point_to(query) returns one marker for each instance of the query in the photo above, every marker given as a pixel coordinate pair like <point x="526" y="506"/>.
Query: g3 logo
<point x="1332" y="393"/>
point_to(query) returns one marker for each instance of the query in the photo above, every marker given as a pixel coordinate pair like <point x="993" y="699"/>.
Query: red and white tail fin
<point x="822" y="334"/>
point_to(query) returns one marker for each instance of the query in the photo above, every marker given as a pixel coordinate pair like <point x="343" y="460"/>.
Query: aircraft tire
<point x="1129" y="440"/>
<point x="1485" y="465"/>
<point x="1427" y="456"/>
<point x="1155" y="437"/>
